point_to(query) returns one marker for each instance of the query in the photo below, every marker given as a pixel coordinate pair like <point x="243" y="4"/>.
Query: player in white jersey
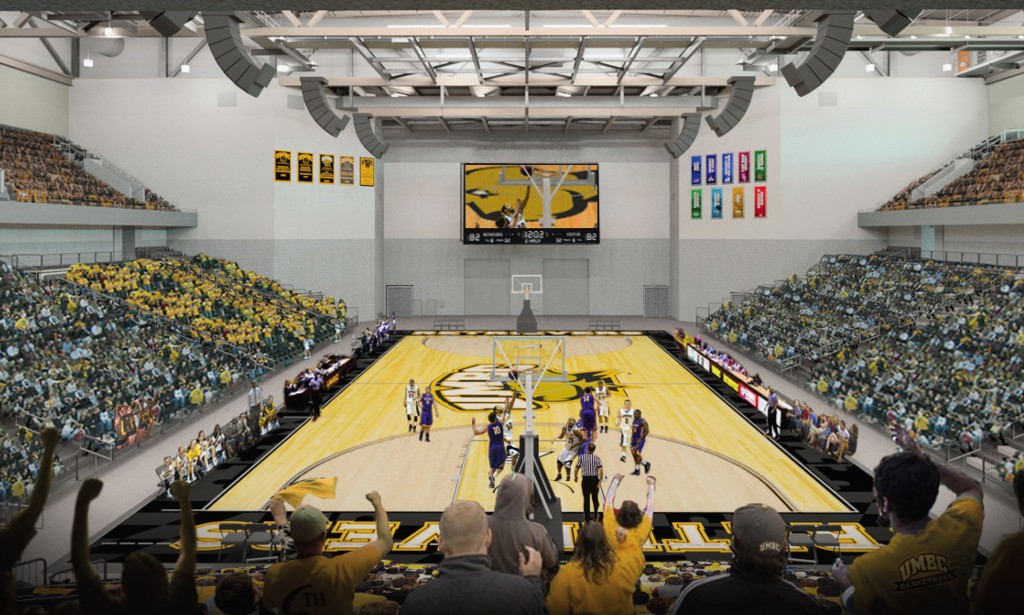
<point x="601" y="395"/>
<point x="412" y="404"/>
<point x="572" y="431"/>
<point x="624" y="422"/>
<point x="511" y="444"/>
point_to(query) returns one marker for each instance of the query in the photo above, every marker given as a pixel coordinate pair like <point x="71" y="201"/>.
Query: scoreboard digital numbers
<point x="530" y="236"/>
<point x="524" y="204"/>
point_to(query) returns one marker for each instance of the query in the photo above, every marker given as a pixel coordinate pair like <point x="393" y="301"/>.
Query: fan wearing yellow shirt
<point x="998" y="590"/>
<point x="926" y="566"/>
<point x="636" y="523"/>
<point x="313" y="584"/>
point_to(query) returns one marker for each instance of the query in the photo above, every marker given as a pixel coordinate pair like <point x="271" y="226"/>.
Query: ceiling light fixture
<point x="87" y="62"/>
<point x="108" y="32"/>
<point x="185" y="68"/>
<point x="947" y="67"/>
<point x="772" y="68"/>
<point x="870" y="68"/>
<point x="913" y="37"/>
<point x="949" y="30"/>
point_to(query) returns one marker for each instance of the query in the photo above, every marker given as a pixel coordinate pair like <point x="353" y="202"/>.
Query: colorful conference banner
<point x="737" y="202"/>
<point x="727" y="168"/>
<point x="710" y="169"/>
<point x="760" y="165"/>
<point x="760" y="201"/>
<point x="695" y="204"/>
<point x="305" y="167"/>
<point x="695" y="173"/>
<point x="744" y="170"/>
<point x="366" y="171"/>
<point x="282" y="165"/>
<point x="716" y="203"/>
<point x="346" y="170"/>
<point x="326" y="168"/>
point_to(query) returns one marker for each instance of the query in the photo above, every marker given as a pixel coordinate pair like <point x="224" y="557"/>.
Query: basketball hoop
<point x="526" y="293"/>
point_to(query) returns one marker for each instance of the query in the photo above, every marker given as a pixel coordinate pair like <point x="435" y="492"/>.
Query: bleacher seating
<point x="449" y="323"/>
<point x="604" y="324"/>
<point x="997" y="178"/>
<point x="948" y="366"/>
<point x="38" y="172"/>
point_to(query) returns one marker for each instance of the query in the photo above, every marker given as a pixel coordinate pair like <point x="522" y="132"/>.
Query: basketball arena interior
<point x="248" y="256"/>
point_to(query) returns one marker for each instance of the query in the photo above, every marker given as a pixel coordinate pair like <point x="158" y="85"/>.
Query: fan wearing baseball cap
<point x="754" y="583"/>
<point x="313" y="584"/>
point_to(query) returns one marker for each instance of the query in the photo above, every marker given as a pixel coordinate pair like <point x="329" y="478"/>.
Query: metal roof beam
<point x="632" y="56"/>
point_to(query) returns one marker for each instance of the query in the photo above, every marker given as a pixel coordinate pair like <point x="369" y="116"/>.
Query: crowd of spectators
<point x="997" y="178"/>
<point x="223" y="306"/>
<point x="951" y="374"/>
<point x="37" y="172"/>
<point x="902" y="197"/>
<point x="92" y="366"/>
<point x="205" y="452"/>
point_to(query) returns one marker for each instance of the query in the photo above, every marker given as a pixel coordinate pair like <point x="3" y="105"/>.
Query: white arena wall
<point x="205" y="145"/>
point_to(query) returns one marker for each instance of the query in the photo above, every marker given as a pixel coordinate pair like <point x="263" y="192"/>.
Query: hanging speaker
<point x="736" y="108"/>
<point x="891" y="21"/>
<point x="314" y="94"/>
<point x="364" y="130"/>
<point x="225" y="42"/>
<point x="691" y="126"/>
<point x="835" y="29"/>
<point x="167" y="23"/>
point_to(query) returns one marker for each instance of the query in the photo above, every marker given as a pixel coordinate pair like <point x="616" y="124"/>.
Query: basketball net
<point x="526" y="292"/>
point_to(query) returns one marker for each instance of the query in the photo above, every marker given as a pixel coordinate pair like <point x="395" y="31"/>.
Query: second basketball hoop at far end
<point x="527" y="285"/>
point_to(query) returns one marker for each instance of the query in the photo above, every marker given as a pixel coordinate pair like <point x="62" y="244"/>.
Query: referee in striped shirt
<point x="593" y="474"/>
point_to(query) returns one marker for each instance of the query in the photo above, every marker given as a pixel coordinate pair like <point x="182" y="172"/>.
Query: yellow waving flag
<point x="320" y="487"/>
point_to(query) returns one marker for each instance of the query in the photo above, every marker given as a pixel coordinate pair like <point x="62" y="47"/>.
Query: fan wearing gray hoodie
<point x="513" y="531"/>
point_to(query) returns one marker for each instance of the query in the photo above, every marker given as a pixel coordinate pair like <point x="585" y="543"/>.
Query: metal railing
<point x="31" y="572"/>
<point x="66" y="259"/>
<point x="975" y="258"/>
<point x="67" y="575"/>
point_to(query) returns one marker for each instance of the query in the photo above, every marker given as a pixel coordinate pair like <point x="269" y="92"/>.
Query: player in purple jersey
<point x="587" y="415"/>
<point x="427" y="414"/>
<point x="496" y="450"/>
<point x="637" y="441"/>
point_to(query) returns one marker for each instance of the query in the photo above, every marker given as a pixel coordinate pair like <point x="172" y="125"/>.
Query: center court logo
<point x="469" y="389"/>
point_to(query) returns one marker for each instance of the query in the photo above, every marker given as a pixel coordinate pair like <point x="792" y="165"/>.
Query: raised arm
<point x="187" y="558"/>
<point x="84" y="571"/>
<point x="609" y="498"/>
<point x="957" y="482"/>
<point x="649" y="513"/>
<point x="37" y="501"/>
<point x="384" y="540"/>
<point x="477" y="430"/>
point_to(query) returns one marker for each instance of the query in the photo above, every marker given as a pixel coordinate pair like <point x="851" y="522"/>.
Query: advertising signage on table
<point x="282" y="165"/>
<point x="716" y="203"/>
<point x="727" y="168"/>
<point x="760" y="201"/>
<point x="744" y="170"/>
<point x="695" y="204"/>
<point x="760" y="165"/>
<point x="515" y="203"/>
<point x="734" y="381"/>
<point x="305" y="167"/>
<point x="737" y="202"/>
<point x="326" y="168"/>
<point x="711" y="169"/>
<point x="695" y="171"/>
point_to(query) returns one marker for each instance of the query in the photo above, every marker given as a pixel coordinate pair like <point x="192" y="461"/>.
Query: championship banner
<point x="346" y="170"/>
<point x="727" y="168"/>
<point x="716" y="203"/>
<point x="305" y="167"/>
<point x="710" y="170"/>
<point x="282" y="165"/>
<point x="326" y="168"/>
<point x="744" y="170"/>
<point x="695" y="174"/>
<point x="366" y="171"/>
<point x="737" y="202"/>
<point x="760" y="201"/>
<point x="760" y="165"/>
<point x="695" y="204"/>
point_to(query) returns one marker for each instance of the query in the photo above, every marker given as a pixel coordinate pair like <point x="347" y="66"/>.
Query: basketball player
<point x="624" y="421"/>
<point x="601" y="394"/>
<point x="574" y="437"/>
<point x="412" y="406"/>
<point x="512" y="217"/>
<point x="509" y="433"/>
<point x="637" y="441"/>
<point x="496" y="449"/>
<point x="587" y="415"/>
<point x="427" y="413"/>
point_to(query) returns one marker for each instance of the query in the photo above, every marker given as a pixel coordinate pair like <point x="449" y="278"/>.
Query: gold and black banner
<point x="366" y="171"/>
<point x="346" y="170"/>
<point x="305" y="167"/>
<point x="282" y="165"/>
<point x="326" y="168"/>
